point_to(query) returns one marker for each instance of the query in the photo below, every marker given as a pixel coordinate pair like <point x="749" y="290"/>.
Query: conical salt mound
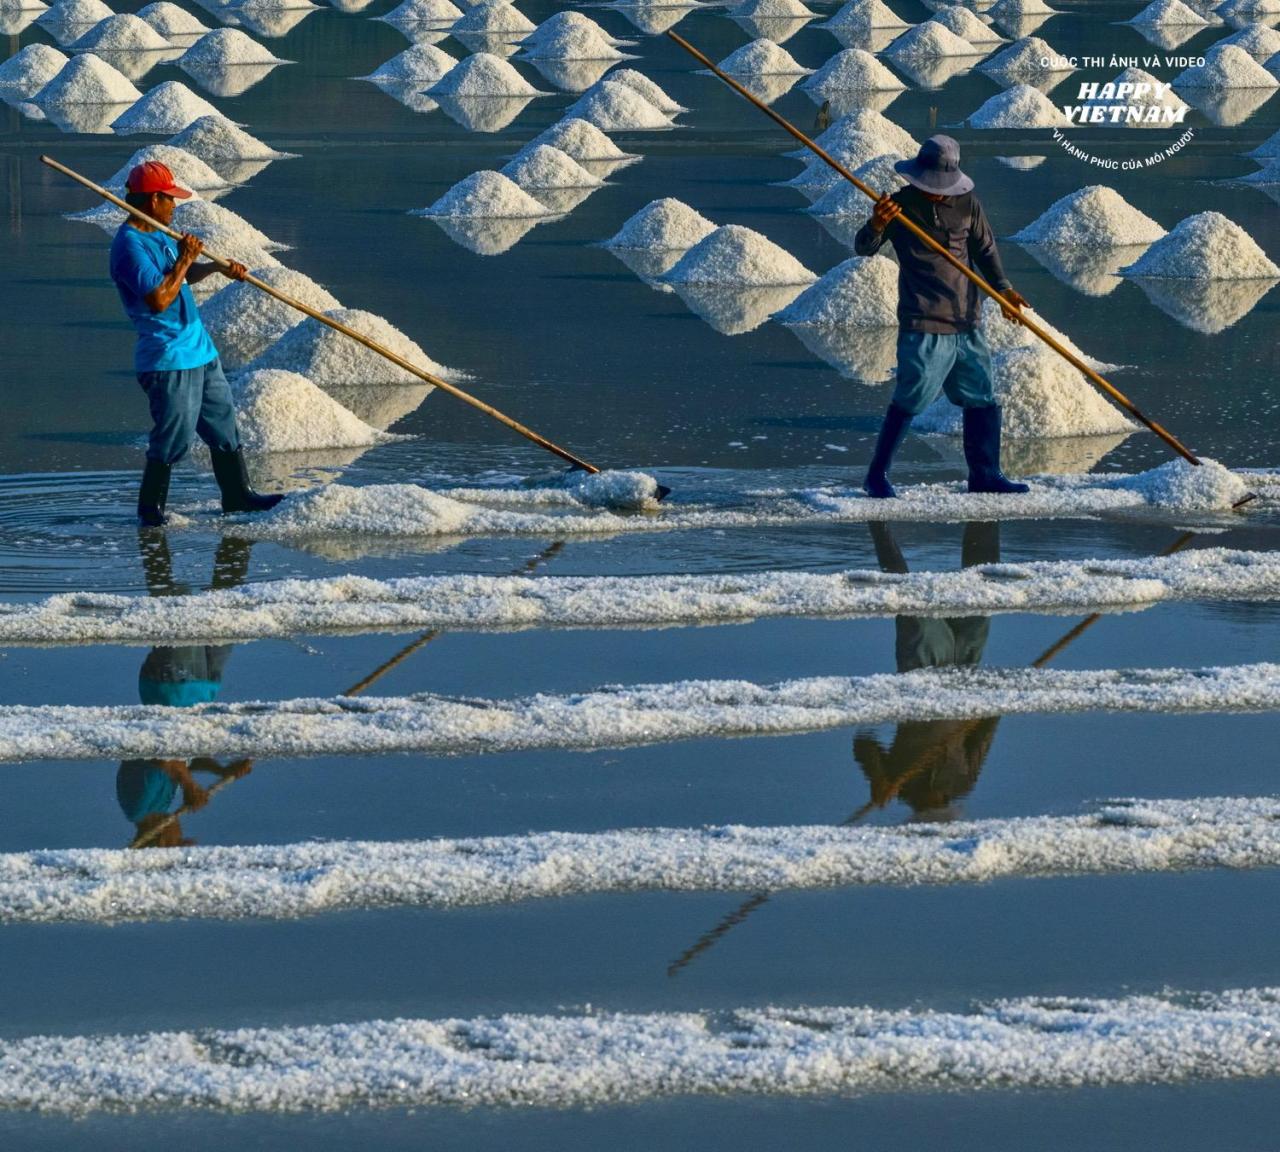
<point x="930" y="41"/>
<point x="581" y="140"/>
<point x="122" y="33"/>
<point x="224" y="47"/>
<point x="26" y="72"/>
<point x="170" y="21"/>
<point x="70" y="19"/>
<point x="168" y="108"/>
<point x="852" y="70"/>
<point x="554" y="26"/>
<point x="224" y="231"/>
<point x="1259" y="40"/>
<point x="483" y="75"/>
<point x="865" y="14"/>
<point x="1167" y="12"/>
<point x="860" y="293"/>
<point x="1011" y="11"/>
<point x="244" y="321"/>
<point x="218" y="142"/>
<point x="613" y="107"/>
<point x="773" y="10"/>
<point x="638" y="82"/>
<point x="188" y="169"/>
<point x="738" y="257"/>
<point x="494" y="18"/>
<point x="966" y="25"/>
<point x="422" y="14"/>
<point x="87" y="79"/>
<point x="1248" y="11"/>
<point x="423" y="64"/>
<point x="281" y="411"/>
<point x="1144" y="93"/>
<point x="1020" y="107"/>
<point x="762" y="58"/>
<point x="870" y="123"/>
<point x="573" y="42"/>
<point x="857" y="149"/>
<point x="845" y="199"/>
<point x="541" y="166"/>
<point x="1206" y="246"/>
<point x="1225" y="68"/>
<point x="1021" y="62"/>
<point x="1093" y="217"/>
<point x="486" y="194"/>
<point x="327" y="357"/>
<point x="1002" y="335"/>
<point x="662" y="225"/>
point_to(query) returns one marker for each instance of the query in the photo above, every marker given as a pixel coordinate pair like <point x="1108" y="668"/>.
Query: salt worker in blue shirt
<point x="940" y="348"/>
<point x="176" y="361"/>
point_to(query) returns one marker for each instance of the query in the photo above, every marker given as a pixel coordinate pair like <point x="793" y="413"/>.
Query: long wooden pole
<point x="338" y="326"/>
<point x="1110" y="389"/>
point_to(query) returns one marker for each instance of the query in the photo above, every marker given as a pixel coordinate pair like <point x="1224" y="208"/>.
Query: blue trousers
<point x="958" y="364"/>
<point x="187" y="402"/>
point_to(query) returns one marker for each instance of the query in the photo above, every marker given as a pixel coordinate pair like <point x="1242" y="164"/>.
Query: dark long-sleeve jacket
<point x="933" y="296"/>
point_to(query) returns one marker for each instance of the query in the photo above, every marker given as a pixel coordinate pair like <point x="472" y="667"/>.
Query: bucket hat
<point x="936" y="168"/>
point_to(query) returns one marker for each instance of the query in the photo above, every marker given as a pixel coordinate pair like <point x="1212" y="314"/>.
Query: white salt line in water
<point x="285" y="881"/>
<point x="358" y="603"/>
<point x="605" y="1059"/>
<point x="616" y="716"/>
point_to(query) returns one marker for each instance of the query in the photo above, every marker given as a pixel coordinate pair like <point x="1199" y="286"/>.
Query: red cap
<point x="154" y="177"/>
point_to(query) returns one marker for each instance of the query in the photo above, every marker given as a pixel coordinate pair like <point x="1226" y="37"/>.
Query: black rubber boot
<point x="153" y="494"/>
<point x="233" y="482"/>
<point x="894" y="428"/>
<point x="982" y="452"/>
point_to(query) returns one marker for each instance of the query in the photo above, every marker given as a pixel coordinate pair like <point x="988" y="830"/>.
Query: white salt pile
<point x="1168" y="12"/>
<point x="282" y="411"/>
<point x="171" y="21"/>
<point x="581" y="140"/>
<point x="244" y="321"/>
<point x="1180" y="484"/>
<point x="738" y="257"/>
<point x="1206" y="246"/>
<point x="87" y="79"/>
<point x="494" y="18"/>
<point x="485" y="194"/>
<point x="865" y="14"/>
<point x="845" y="199"/>
<point x="1043" y="397"/>
<point x="187" y="168"/>
<point x="224" y="47"/>
<point x="1025" y="60"/>
<point x="1020" y="107"/>
<point x="647" y="89"/>
<point x="564" y="21"/>
<point x="1259" y="40"/>
<point x="413" y="14"/>
<point x="167" y="108"/>
<point x="662" y="225"/>
<point x="930" y="41"/>
<point x="857" y="149"/>
<point x="69" y="19"/>
<point x="762" y="58"/>
<point x="423" y="64"/>
<point x="850" y="71"/>
<point x="966" y="25"/>
<point x="614" y="107"/>
<point x="218" y="143"/>
<point x="860" y="293"/>
<point x="483" y="74"/>
<point x="1226" y="67"/>
<point x="1011" y="11"/>
<point x="122" y="33"/>
<point x="222" y="229"/>
<point x="1143" y="92"/>
<point x="869" y="123"/>
<point x="368" y="510"/>
<point x="1003" y="335"/>
<point x="572" y="42"/>
<point x="773" y="10"/>
<point x="541" y="166"/>
<point x="1095" y="216"/>
<point x="326" y="357"/>
<point x="29" y="70"/>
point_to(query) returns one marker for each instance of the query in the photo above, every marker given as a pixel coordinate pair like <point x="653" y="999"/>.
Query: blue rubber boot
<point x="982" y="452"/>
<point x="894" y="428"/>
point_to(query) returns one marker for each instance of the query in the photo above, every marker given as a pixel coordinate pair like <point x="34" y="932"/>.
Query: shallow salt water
<point x="556" y="332"/>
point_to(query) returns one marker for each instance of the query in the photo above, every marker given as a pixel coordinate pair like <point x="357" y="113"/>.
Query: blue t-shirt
<point x="168" y="340"/>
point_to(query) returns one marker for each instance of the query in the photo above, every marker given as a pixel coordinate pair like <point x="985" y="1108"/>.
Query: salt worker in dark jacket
<point x="939" y="346"/>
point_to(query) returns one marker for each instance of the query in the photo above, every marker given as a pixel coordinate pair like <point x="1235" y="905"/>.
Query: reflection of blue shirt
<point x="143" y="789"/>
<point x="168" y="340"/>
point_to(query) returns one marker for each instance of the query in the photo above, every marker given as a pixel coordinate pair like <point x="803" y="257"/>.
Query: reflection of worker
<point x="932" y="763"/>
<point x="177" y="677"/>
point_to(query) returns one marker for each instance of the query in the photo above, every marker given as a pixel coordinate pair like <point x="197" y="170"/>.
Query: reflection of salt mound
<point x="862" y="293"/>
<point x="762" y="58"/>
<point x="70" y="19"/>
<point x="852" y="70"/>
<point x="222" y="48"/>
<point x="1093" y="271"/>
<point x="1131" y="109"/>
<point x="614" y="107"/>
<point x="930" y="41"/>
<point x="485" y="194"/>
<point x="661" y="225"/>
<point x="219" y="143"/>
<point x="280" y="411"/>
<point x="244" y="321"/>
<point x="1206" y="246"/>
<point x="573" y="42"/>
<point x="865" y="122"/>
<point x="424" y="64"/>
<point x="1093" y="216"/>
<point x="413" y="14"/>
<point x="1020" y="63"/>
<point x="87" y="80"/>
<point x="1168" y="12"/>
<point x="1188" y="487"/>
<point x="846" y="199"/>
<point x="166" y="109"/>
<point x="647" y="90"/>
<point x="25" y="73"/>
<point x="1228" y="107"/>
<point x="122" y="33"/>
<point x="541" y="166"/>
<point x="173" y="23"/>
<point x="188" y="169"/>
<point x="1042" y="396"/>
<point x="1021" y="163"/>
<point x="1207" y="306"/>
<point x="581" y="140"/>
<point x="867" y="355"/>
<point x="1020" y="107"/>
<point x="326" y="357"/>
<point x="483" y="75"/>
<point x="865" y="14"/>
<point x="732" y="309"/>
<point x="488" y="235"/>
<point x="966" y="25"/>
<point x="1226" y="67"/>
<point x="737" y="256"/>
<point x="494" y="18"/>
